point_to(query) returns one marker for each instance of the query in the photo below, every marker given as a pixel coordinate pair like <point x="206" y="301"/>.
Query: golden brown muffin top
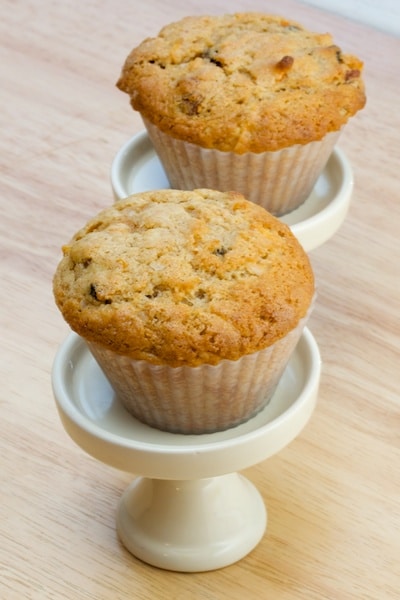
<point x="184" y="277"/>
<point x="243" y="82"/>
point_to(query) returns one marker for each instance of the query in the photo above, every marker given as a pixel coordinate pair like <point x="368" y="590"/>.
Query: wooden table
<point x="334" y="494"/>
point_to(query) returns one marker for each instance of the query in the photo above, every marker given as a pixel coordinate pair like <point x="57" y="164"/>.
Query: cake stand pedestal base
<point x="191" y="526"/>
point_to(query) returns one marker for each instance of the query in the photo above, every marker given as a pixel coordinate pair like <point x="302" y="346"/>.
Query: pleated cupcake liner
<point x="279" y="181"/>
<point x="201" y="399"/>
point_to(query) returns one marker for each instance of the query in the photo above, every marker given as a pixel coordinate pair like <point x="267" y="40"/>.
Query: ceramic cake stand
<point x="136" y="168"/>
<point x="188" y="509"/>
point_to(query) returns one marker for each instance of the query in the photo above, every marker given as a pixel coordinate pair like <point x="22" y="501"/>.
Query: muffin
<point x="191" y="302"/>
<point x="245" y="101"/>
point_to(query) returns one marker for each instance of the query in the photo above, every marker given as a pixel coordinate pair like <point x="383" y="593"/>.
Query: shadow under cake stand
<point x="188" y="508"/>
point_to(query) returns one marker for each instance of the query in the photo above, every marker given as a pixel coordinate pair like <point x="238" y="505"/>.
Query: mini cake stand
<point x="136" y="168"/>
<point x="188" y="509"/>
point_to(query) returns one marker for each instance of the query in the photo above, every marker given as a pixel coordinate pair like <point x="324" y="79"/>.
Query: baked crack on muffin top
<point x="246" y="82"/>
<point x="184" y="278"/>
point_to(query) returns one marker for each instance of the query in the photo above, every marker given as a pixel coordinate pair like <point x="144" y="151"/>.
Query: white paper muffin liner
<point x="279" y="181"/>
<point x="202" y="399"/>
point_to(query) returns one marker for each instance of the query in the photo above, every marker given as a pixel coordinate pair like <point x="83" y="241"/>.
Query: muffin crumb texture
<point x="184" y="278"/>
<point x="245" y="82"/>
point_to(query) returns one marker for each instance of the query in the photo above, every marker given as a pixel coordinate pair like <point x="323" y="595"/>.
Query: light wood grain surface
<point x="334" y="494"/>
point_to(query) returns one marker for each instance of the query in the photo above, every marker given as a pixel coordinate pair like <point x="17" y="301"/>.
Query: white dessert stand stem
<point x="194" y="525"/>
<point x="188" y="508"/>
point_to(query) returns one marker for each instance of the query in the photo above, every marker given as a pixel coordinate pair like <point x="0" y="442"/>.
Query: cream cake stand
<point x="188" y="508"/>
<point x="136" y="168"/>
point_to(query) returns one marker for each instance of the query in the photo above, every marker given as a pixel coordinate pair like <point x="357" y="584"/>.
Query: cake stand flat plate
<point x="98" y="423"/>
<point x="136" y="168"/>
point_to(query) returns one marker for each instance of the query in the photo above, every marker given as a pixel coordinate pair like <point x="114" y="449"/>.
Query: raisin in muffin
<point x="244" y="101"/>
<point x="191" y="302"/>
